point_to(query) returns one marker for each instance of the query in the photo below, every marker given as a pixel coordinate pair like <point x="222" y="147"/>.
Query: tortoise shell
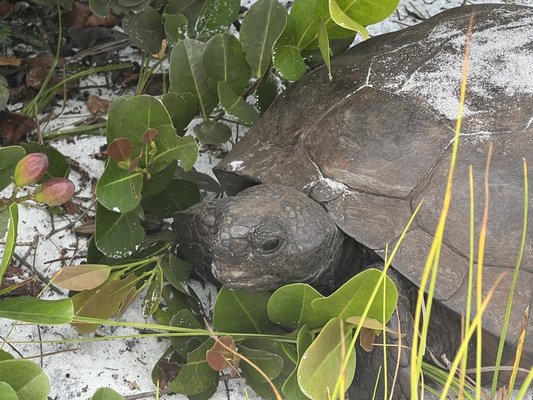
<point x="376" y="141"/>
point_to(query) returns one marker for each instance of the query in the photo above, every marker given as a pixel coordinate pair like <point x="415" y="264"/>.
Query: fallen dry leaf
<point x="14" y="126"/>
<point x="97" y="106"/>
<point x="10" y="61"/>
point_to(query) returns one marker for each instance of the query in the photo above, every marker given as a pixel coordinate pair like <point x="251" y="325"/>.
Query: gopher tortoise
<point x="333" y="171"/>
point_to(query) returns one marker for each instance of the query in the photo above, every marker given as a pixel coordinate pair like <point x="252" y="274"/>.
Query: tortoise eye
<point x="270" y="245"/>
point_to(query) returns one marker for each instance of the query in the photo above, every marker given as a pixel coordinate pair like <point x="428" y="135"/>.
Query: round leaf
<point x="26" y="378"/>
<point x="289" y="62"/>
<point x="216" y="16"/>
<point x="212" y="132"/>
<point x="176" y="27"/>
<point x="178" y="195"/>
<point x="104" y="393"/>
<point x="120" y="149"/>
<point x="145" y="30"/>
<point x="118" y="189"/>
<point x="7" y="392"/>
<point x="182" y="108"/>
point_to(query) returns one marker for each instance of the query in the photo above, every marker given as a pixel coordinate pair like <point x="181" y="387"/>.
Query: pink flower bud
<point x="30" y="169"/>
<point x="55" y="191"/>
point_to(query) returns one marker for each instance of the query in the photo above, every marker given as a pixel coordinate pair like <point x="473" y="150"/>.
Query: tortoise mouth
<point x="238" y="279"/>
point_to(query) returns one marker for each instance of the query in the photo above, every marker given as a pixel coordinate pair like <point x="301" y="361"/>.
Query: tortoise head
<point x="271" y="235"/>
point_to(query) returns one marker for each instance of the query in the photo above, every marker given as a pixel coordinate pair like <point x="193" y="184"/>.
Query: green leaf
<point x="323" y="45"/>
<point x="239" y="311"/>
<point x="288" y="62"/>
<point x="321" y="363"/>
<point x="271" y="364"/>
<point x="145" y="29"/>
<point x="182" y="108"/>
<point x="102" y="302"/>
<point x="187" y="152"/>
<point x="290" y="306"/>
<point x="7" y="392"/>
<point x="82" y="277"/>
<point x="132" y="117"/>
<point x="261" y="26"/>
<point x="168" y="146"/>
<point x="104" y="393"/>
<point x="26" y="378"/>
<point x="351" y="299"/>
<point x="57" y="163"/>
<point x="117" y="235"/>
<point x="224" y="60"/>
<point x="175" y="270"/>
<point x="196" y="376"/>
<point x="343" y="20"/>
<point x="184" y="319"/>
<point x="152" y="299"/>
<point x="304" y="15"/>
<point x="235" y="106"/>
<point x="37" y="311"/>
<point x="11" y="239"/>
<point x="176" y="27"/>
<point x="368" y="12"/>
<point x="4" y="355"/>
<point x="291" y="389"/>
<point x="178" y="195"/>
<point x="9" y="157"/>
<point x="118" y="189"/>
<point x="212" y="132"/>
<point x="266" y="92"/>
<point x="4" y="220"/>
<point x="159" y="180"/>
<point x="99" y="7"/>
<point x="187" y="74"/>
<point x="216" y="16"/>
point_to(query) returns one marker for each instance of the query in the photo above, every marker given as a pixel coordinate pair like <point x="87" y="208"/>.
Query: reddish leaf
<point x="13" y="127"/>
<point x="366" y="339"/>
<point x="134" y="164"/>
<point x="109" y="22"/>
<point x="218" y="357"/>
<point x="38" y="70"/>
<point x="149" y="136"/>
<point x="120" y="149"/>
<point x="97" y="106"/>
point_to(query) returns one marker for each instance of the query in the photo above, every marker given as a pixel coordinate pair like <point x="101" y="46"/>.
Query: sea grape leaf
<point x="304" y="17"/>
<point x="4" y="355"/>
<point x="235" y="106"/>
<point x="203" y="181"/>
<point x="196" y="376"/>
<point x="132" y="117"/>
<point x="37" y="311"/>
<point x="178" y="195"/>
<point x="212" y="132"/>
<point x="176" y="27"/>
<point x="99" y="7"/>
<point x="261" y="26"/>
<point x="9" y="157"/>
<point x="290" y="306"/>
<point x="26" y="378"/>
<point x="82" y="277"/>
<point x="168" y="146"/>
<point x="239" y="311"/>
<point x="321" y="363"/>
<point x="145" y="29"/>
<point x="220" y="356"/>
<point x="118" y="189"/>
<point x="351" y="299"/>
<point x="175" y="270"/>
<point x="152" y="298"/>
<point x="183" y="319"/>
<point x="117" y="235"/>
<point x="291" y="389"/>
<point x="7" y="392"/>
<point x="216" y="16"/>
<point x="159" y="180"/>
<point x="187" y="74"/>
<point x="224" y="60"/>
<point x="102" y="302"/>
<point x="266" y="92"/>
<point x="187" y="152"/>
<point x="182" y="108"/>
<point x="271" y="364"/>
<point x="104" y="393"/>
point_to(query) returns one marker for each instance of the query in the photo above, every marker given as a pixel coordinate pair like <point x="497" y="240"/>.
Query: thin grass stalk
<point x="519" y="349"/>
<point x="479" y="278"/>
<point x="373" y="296"/>
<point x="525" y="386"/>
<point x="417" y="352"/>
<point x="374" y="393"/>
<point x="470" y="277"/>
<point x="513" y="283"/>
<point x="468" y="335"/>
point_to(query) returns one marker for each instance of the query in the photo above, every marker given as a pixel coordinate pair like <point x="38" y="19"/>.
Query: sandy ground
<point x="78" y="368"/>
